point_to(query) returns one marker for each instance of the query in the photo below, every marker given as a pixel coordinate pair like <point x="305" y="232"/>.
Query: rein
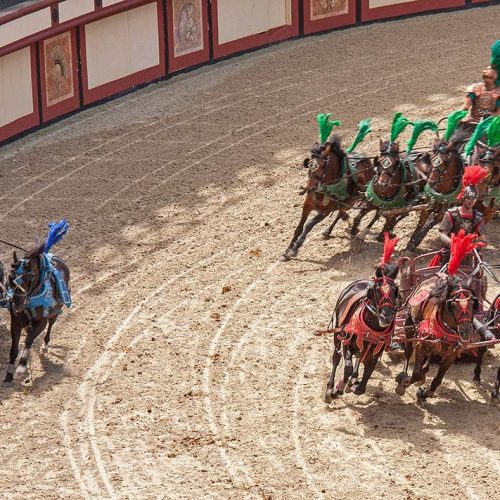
<point x="14" y="246"/>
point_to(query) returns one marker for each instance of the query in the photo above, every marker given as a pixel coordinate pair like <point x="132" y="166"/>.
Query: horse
<point x="38" y="288"/>
<point x="442" y="187"/>
<point x="393" y="186"/>
<point x="364" y="323"/>
<point x="439" y="320"/>
<point x="336" y="180"/>
<point x="489" y="157"/>
<point x="492" y="319"/>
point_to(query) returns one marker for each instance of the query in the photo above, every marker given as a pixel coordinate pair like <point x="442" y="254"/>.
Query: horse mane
<point x="390" y="270"/>
<point x="388" y="147"/>
<point x="336" y="141"/>
<point x="36" y="250"/>
<point x="459" y="136"/>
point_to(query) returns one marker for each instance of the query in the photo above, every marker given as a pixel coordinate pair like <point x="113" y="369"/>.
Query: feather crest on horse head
<point x="461" y="244"/>
<point x="56" y="231"/>
<point x="389" y="246"/>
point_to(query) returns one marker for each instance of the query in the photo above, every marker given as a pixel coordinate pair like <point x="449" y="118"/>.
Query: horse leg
<point x="300" y="240"/>
<point x="306" y="210"/>
<point x="425" y="368"/>
<point x="360" y="387"/>
<point x="426" y="222"/>
<point x="477" y="368"/>
<point x="354" y="376"/>
<point x="30" y="338"/>
<point x="363" y="234"/>
<point x="495" y="394"/>
<point x="329" y="395"/>
<point x="357" y="220"/>
<point x="15" y="333"/>
<point x="448" y="359"/>
<point x="341" y="214"/>
<point x="45" y="346"/>
<point x="389" y="225"/>
<point x="402" y="379"/>
<point x="339" y="388"/>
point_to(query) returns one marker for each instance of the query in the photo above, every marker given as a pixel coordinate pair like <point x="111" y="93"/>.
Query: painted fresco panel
<point x="58" y="69"/>
<point x="321" y="9"/>
<point x="16" y="92"/>
<point x="188" y="26"/>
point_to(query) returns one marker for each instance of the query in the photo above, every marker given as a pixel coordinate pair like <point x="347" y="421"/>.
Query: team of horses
<point x="391" y="185"/>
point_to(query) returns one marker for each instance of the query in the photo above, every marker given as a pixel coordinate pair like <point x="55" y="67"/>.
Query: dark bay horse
<point x="336" y="180"/>
<point x="38" y="286"/>
<point x="441" y="324"/>
<point x="442" y="187"/>
<point x="489" y="157"/>
<point x="364" y="323"/>
<point x="492" y="318"/>
<point x="393" y="186"/>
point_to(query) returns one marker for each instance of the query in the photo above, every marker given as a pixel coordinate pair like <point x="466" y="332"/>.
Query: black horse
<point x="37" y="289"/>
<point x="364" y="323"/>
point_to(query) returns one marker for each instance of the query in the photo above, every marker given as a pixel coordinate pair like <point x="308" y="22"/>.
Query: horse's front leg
<point x="448" y="359"/>
<point x="339" y="388"/>
<point x="370" y="364"/>
<point x="389" y="225"/>
<point x="402" y="379"/>
<point x="479" y="363"/>
<point x="300" y="240"/>
<point x="45" y="346"/>
<point x="306" y="210"/>
<point x="33" y="333"/>
<point x="341" y="214"/>
<point x="329" y="395"/>
<point x="425" y="223"/>
<point x="15" y="333"/>
<point x="363" y="234"/>
<point x="354" y="375"/>
<point x="495" y="394"/>
<point x="357" y="220"/>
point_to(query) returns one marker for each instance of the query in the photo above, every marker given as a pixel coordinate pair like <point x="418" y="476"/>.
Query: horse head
<point x="446" y="154"/>
<point x="24" y="278"/>
<point x="386" y="163"/>
<point x="327" y="157"/>
<point x="460" y="306"/>
<point x="382" y="295"/>
<point x="489" y="157"/>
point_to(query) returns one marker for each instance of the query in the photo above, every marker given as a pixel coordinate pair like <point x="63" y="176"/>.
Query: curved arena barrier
<point x="58" y="56"/>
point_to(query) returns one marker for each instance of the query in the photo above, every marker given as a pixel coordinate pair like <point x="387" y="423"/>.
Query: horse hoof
<point x="476" y="380"/>
<point x="328" y="396"/>
<point x="400" y="390"/>
<point x="326" y="236"/>
<point x="349" y="386"/>
<point x="44" y="349"/>
<point x="358" y="390"/>
<point x="20" y="371"/>
<point x="403" y="379"/>
<point x="495" y="396"/>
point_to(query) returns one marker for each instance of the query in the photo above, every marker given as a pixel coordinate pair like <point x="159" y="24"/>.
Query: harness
<point x="396" y="201"/>
<point x="492" y="194"/>
<point x="450" y="197"/>
<point x="51" y="291"/>
<point x="338" y="189"/>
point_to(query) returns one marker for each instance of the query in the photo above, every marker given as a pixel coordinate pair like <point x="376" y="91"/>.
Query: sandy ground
<point x="187" y="367"/>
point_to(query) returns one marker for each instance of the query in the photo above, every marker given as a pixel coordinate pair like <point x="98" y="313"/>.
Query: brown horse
<point x="443" y="185"/>
<point x="336" y="180"/>
<point x="393" y="186"/>
<point x="441" y="324"/>
<point x="38" y="286"/>
<point x="364" y="322"/>
<point x="489" y="157"/>
<point x="492" y="319"/>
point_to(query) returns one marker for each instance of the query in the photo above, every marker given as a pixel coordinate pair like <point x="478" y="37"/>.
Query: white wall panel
<point x="74" y="8"/>
<point x="121" y="45"/>
<point x="25" y="26"/>
<point x="16" y="93"/>
<point x="384" y="3"/>
<point x="105" y="3"/>
<point x="240" y="18"/>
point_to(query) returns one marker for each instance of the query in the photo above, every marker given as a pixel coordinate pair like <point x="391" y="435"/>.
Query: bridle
<point x="390" y="159"/>
<point x="438" y="161"/>
<point x="384" y="285"/>
<point x="20" y="273"/>
<point x="462" y="298"/>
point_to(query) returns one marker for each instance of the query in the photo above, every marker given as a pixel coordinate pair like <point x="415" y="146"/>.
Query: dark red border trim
<point x="194" y="58"/>
<point x="70" y="104"/>
<point x="328" y="22"/>
<point x="404" y="9"/>
<point x="129" y="81"/>
<point x="28" y="121"/>
<point x="253" y="41"/>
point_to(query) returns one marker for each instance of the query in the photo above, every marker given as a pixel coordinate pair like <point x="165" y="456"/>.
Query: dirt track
<point x="187" y="367"/>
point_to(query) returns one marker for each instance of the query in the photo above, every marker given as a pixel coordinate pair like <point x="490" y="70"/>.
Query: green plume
<point x="325" y="126"/>
<point x="399" y="123"/>
<point x="480" y="130"/>
<point x="453" y="121"/>
<point x="418" y="128"/>
<point x="495" y="59"/>
<point x="364" y="128"/>
<point x="494" y="132"/>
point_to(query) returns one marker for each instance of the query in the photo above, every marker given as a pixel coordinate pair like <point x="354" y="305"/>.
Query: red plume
<point x="461" y="244"/>
<point x="389" y="246"/>
<point x="473" y="176"/>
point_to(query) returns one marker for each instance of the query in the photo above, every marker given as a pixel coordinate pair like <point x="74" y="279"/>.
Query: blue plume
<point x="56" y="231"/>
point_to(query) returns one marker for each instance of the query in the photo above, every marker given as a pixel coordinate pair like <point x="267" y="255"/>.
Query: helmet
<point x="470" y="192"/>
